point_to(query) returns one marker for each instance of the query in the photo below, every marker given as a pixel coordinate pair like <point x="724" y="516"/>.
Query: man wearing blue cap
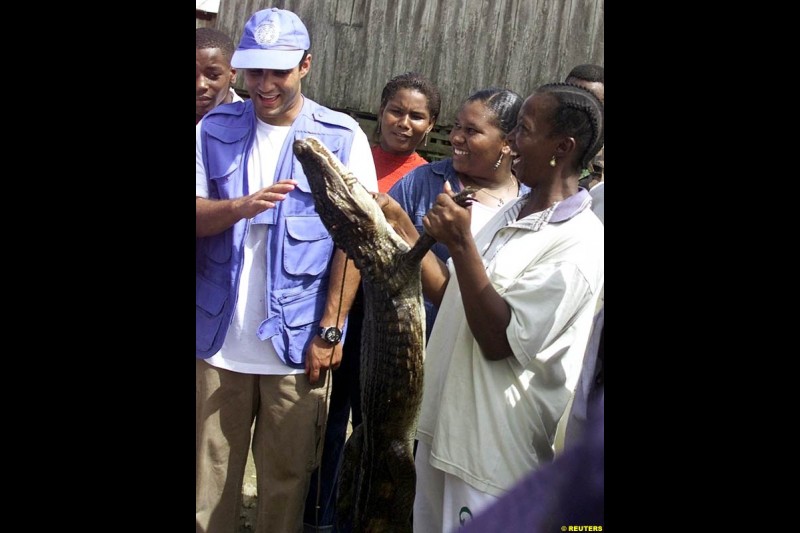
<point x="272" y="292"/>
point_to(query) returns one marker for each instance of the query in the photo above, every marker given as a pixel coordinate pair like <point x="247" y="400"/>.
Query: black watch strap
<point x="332" y="334"/>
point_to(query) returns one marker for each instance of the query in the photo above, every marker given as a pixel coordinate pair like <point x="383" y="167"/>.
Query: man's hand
<point x="263" y="199"/>
<point x="215" y="216"/>
<point x="320" y="357"/>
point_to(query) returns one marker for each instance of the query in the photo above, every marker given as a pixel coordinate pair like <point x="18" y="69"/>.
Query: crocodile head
<point x="351" y="214"/>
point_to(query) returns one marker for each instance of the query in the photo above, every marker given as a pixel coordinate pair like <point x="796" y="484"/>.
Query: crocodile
<point x="378" y="478"/>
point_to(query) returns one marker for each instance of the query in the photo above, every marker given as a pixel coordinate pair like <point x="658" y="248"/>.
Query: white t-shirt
<point x="480" y="215"/>
<point x="242" y="350"/>
<point x="235" y="96"/>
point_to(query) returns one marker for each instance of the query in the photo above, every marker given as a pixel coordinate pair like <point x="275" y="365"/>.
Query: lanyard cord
<point x="327" y="397"/>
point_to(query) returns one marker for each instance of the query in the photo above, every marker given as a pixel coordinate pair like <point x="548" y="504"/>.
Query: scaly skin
<point x="378" y="479"/>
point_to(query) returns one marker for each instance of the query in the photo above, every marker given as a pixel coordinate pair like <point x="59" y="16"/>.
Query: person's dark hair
<point x="417" y="82"/>
<point x="589" y="72"/>
<point x="579" y="115"/>
<point x="211" y="38"/>
<point x="504" y="103"/>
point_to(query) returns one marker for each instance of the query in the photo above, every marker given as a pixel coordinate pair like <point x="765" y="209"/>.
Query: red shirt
<point x="390" y="167"/>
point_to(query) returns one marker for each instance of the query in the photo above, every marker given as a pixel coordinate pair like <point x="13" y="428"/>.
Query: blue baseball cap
<point x="272" y="39"/>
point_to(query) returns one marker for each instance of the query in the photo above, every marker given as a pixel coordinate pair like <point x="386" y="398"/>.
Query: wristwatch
<point x="332" y="334"/>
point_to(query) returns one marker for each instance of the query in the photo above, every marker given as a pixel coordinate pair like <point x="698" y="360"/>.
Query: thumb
<point x="448" y="188"/>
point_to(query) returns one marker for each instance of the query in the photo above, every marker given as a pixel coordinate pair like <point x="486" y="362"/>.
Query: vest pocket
<point x="229" y="139"/>
<point x="308" y="247"/>
<point x="301" y="316"/>
<point x="217" y="247"/>
<point x="209" y="302"/>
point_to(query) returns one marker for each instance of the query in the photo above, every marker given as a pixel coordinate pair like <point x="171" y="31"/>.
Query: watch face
<point x="333" y="335"/>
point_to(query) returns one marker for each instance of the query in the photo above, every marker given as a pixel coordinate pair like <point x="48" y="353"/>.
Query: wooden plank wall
<point x="462" y="45"/>
<point x="204" y="19"/>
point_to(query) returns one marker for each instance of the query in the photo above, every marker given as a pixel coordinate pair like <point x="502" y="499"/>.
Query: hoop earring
<point x="553" y="161"/>
<point x="500" y="160"/>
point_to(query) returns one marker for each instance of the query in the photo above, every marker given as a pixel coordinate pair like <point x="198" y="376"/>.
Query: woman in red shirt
<point x="409" y="108"/>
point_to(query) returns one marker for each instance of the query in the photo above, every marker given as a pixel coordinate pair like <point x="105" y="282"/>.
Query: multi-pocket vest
<point x="299" y="247"/>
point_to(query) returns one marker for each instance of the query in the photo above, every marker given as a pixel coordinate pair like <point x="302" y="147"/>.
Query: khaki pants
<point x="287" y="443"/>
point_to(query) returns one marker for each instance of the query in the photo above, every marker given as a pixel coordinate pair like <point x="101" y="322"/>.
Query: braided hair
<point x="505" y="104"/>
<point x="588" y="72"/>
<point x="579" y="114"/>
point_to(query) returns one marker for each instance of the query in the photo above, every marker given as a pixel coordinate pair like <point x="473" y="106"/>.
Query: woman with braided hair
<point x="592" y="77"/>
<point x="515" y="310"/>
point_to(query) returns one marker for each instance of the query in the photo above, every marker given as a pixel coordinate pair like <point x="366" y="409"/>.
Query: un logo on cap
<point x="267" y="33"/>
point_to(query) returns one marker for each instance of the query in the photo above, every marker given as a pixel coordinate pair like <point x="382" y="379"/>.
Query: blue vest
<point x="299" y="247"/>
